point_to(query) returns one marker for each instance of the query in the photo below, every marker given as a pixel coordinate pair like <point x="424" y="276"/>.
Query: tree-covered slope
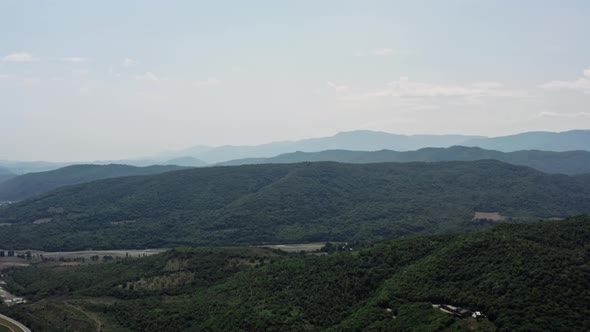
<point x="5" y="174"/>
<point x="524" y="277"/>
<point x="287" y="203"/>
<point x="33" y="184"/>
<point x="570" y="162"/>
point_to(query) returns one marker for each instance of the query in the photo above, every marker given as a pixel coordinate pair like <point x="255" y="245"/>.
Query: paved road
<point x="21" y="326"/>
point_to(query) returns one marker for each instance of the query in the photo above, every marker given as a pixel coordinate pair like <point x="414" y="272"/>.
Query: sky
<point x="113" y="79"/>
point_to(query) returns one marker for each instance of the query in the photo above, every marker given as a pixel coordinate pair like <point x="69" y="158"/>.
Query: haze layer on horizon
<point x="122" y="79"/>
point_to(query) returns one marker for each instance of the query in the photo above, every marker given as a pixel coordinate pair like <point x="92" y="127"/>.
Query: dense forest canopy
<point x="287" y="203"/>
<point x="523" y="277"/>
<point x="31" y="184"/>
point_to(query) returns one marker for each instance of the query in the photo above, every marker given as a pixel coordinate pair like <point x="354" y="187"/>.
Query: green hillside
<point x="6" y="177"/>
<point x="5" y="174"/>
<point x="33" y="184"/>
<point x="287" y="203"/>
<point x="570" y="162"/>
<point x="523" y="277"/>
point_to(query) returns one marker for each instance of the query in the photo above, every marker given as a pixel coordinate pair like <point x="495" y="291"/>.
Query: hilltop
<point x="29" y="185"/>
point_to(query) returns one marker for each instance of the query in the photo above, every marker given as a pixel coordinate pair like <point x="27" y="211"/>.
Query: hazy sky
<point x="82" y="80"/>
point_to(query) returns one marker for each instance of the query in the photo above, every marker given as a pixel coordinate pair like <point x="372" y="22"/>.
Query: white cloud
<point x="425" y="107"/>
<point x="488" y="85"/>
<point x="127" y="62"/>
<point x="405" y="88"/>
<point x="19" y="57"/>
<point x="564" y="115"/>
<point x="336" y="87"/>
<point x="113" y="73"/>
<point x="581" y="84"/>
<point x="211" y="81"/>
<point x="80" y="72"/>
<point x="74" y="59"/>
<point x="149" y="76"/>
<point x="384" y="51"/>
<point x="21" y="80"/>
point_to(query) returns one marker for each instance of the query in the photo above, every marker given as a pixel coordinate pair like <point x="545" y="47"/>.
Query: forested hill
<point x="523" y="277"/>
<point x="32" y="184"/>
<point x="5" y="174"/>
<point x="570" y="162"/>
<point x="287" y="203"/>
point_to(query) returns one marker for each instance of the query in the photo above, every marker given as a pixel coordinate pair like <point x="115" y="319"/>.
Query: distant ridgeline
<point x="29" y="185"/>
<point x="278" y="203"/>
<point x="570" y="162"/>
<point x="518" y="277"/>
<point x="366" y="140"/>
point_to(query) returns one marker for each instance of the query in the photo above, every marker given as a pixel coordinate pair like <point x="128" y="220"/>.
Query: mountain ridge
<point x="357" y="140"/>
<point x="32" y="184"/>
<point x="570" y="162"/>
<point x="367" y="140"/>
<point x="537" y="140"/>
<point x="304" y="202"/>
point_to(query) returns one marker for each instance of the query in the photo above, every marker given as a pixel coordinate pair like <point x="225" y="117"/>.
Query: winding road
<point x="19" y="327"/>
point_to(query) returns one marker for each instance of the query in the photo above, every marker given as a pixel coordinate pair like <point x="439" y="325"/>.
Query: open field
<point x="296" y="247"/>
<point x="6" y="264"/>
<point x="90" y="253"/>
<point x="74" y="255"/>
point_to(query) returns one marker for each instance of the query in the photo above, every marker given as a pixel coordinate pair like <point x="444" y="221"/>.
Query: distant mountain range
<point x="536" y="140"/>
<point x="186" y="161"/>
<point x="32" y="184"/>
<point x="360" y="140"/>
<point x="17" y="188"/>
<point x="571" y="162"/>
<point x="281" y="203"/>
<point x="365" y="140"/>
